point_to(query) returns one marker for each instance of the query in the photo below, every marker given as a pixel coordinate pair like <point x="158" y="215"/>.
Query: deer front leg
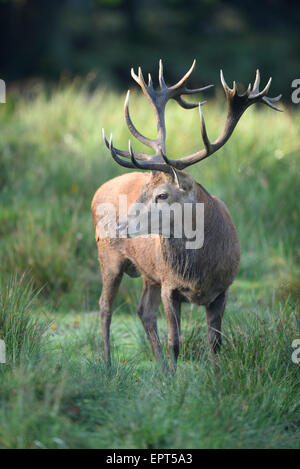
<point x="112" y="271"/>
<point x="214" y="315"/>
<point x="147" y="311"/>
<point x="173" y="314"/>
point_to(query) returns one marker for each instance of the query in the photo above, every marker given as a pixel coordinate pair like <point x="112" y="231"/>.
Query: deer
<point x="172" y="274"/>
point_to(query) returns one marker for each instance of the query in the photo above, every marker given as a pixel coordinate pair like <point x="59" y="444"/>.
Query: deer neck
<point x="184" y="262"/>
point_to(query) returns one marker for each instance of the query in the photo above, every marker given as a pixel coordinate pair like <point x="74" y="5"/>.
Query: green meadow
<point x="55" y="391"/>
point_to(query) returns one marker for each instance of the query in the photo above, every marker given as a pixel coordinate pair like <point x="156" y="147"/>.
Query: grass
<point x="55" y="391"/>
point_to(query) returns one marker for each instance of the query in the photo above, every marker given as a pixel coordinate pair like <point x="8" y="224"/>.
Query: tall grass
<point x="247" y="397"/>
<point x="21" y="331"/>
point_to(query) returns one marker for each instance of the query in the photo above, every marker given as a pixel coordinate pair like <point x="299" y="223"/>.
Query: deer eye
<point x="162" y="196"/>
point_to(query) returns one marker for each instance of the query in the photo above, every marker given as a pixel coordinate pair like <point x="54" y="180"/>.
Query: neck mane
<point x="182" y="261"/>
<point x="188" y="263"/>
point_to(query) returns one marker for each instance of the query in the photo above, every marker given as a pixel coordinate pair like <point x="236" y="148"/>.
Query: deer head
<point x="168" y="183"/>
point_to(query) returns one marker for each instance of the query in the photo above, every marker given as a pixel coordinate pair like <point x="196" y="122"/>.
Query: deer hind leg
<point x="112" y="267"/>
<point x="172" y="308"/>
<point x="147" y="311"/>
<point x="214" y="315"/>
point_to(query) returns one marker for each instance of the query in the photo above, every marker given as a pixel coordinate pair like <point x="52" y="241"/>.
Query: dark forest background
<point x="51" y="39"/>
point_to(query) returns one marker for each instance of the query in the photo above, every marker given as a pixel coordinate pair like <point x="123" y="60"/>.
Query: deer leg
<point x="147" y="311"/>
<point x="214" y="315"/>
<point x="172" y="308"/>
<point x="112" y="272"/>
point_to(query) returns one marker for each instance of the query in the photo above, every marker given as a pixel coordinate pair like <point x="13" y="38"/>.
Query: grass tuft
<point x="21" y="330"/>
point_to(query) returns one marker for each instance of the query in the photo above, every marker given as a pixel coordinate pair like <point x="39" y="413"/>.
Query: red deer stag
<point x="171" y="273"/>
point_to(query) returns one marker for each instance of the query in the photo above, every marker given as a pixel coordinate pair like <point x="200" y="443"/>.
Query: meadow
<point x="55" y="391"/>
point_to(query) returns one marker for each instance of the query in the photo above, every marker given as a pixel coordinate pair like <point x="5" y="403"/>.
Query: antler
<point x="158" y="100"/>
<point x="237" y="104"/>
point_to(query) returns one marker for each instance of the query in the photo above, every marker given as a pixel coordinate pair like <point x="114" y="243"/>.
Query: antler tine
<point x="133" y="159"/>
<point x="104" y="138"/>
<point x="248" y="91"/>
<point x="180" y="89"/>
<point x="255" y="93"/>
<point x="146" y="141"/>
<point x="161" y="79"/>
<point x="140" y="156"/>
<point x="237" y="104"/>
<point x="150" y="83"/>
<point x="184" y="79"/>
<point x="140" y="80"/>
<point x="197" y="90"/>
<point x="121" y="162"/>
<point x="224" y="84"/>
<point x="134" y="76"/>
<point x="185" y="104"/>
<point x="266" y="88"/>
<point x="205" y="138"/>
<point x="269" y="101"/>
<point x="255" y="88"/>
<point x="107" y="143"/>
